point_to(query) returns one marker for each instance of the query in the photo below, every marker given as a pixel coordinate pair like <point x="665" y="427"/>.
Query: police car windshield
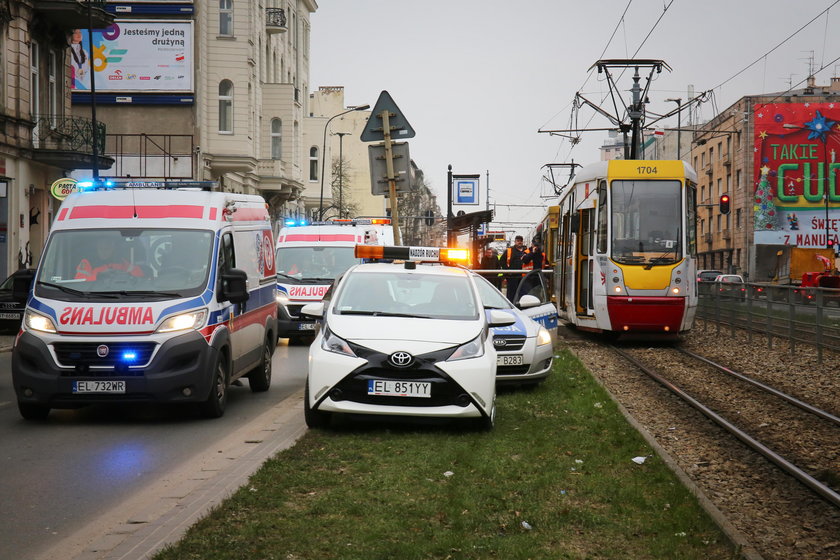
<point x="139" y="263"/>
<point x="430" y="296"/>
<point x="314" y="262"/>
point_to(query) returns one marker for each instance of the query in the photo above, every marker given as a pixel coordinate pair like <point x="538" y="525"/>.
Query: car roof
<point x="434" y="269"/>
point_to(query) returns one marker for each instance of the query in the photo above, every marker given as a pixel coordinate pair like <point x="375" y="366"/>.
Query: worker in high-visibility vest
<point x="512" y="259"/>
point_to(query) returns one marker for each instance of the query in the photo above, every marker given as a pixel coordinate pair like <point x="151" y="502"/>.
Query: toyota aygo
<point x="403" y="339"/>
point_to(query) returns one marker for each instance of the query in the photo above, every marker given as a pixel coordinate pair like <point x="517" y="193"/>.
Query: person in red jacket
<point x="104" y="259"/>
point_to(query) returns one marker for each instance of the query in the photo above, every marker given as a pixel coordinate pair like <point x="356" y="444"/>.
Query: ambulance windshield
<point x="103" y="262"/>
<point x="313" y="263"/>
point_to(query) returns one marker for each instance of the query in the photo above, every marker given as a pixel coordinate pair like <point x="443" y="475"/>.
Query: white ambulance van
<point x="310" y="257"/>
<point x="148" y="295"/>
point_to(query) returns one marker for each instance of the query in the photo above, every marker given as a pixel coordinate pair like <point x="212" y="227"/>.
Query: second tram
<point x="626" y="248"/>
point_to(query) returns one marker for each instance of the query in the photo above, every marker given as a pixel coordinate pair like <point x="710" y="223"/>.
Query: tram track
<point x="778" y="516"/>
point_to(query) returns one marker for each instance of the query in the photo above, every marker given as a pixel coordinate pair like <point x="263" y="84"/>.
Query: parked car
<point x="708" y="275"/>
<point x="524" y="349"/>
<point x="731" y="285"/>
<point x="403" y="339"/>
<point x="11" y="309"/>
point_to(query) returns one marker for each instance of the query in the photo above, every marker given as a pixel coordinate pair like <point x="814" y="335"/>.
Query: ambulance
<point x="310" y="257"/>
<point x="148" y="295"/>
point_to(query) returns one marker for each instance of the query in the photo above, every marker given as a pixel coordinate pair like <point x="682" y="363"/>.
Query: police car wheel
<point x="214" y="406"/>
<point x="31" y="411"/>
<point x="314" y="418"/>
<point x="260" y="377"/>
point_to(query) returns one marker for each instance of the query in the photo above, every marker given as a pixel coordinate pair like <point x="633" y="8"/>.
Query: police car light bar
<point x="421" y="254"/>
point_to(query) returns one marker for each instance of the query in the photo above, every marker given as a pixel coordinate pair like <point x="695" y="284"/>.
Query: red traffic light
<point x="724" y="204"/>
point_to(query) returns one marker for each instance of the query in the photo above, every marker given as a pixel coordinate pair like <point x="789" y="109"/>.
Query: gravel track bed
<point x="778" y="516"/>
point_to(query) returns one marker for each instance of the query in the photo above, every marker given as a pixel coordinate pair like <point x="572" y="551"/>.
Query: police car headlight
<point x="282" y="298"/>
<point x="37" y="322"/>
<point x="336" y="344"/>
<point x="472" y="349"/>
<point x="183" y="322"/>
<point x="543" y="337"/>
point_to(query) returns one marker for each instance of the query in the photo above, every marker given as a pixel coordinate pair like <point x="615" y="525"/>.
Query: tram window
<point x="646" y="221"/>
<point x="602" y="217"/>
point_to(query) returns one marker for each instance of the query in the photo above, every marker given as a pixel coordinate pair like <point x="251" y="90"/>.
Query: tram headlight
<point x="675" y="291"/>
<point x="617" y="289"/>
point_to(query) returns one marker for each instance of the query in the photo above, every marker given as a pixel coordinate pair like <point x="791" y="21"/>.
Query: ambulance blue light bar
<point x="420" y="254"/>
<point x="341" y="222"/>
<point x="94" y="184"/>
<point x="292" y="223"/>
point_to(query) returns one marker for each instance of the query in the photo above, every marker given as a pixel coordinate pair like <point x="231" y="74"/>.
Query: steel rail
<point x="818" y="487"/>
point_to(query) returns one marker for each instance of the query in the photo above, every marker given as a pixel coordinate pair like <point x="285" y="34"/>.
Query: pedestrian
<point x="536" y="260"/>
<point x="490" y="261"/>
<point x="512" y="260"/>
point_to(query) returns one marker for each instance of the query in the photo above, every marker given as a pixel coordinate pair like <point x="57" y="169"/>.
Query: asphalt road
<point x="121" y="480"/>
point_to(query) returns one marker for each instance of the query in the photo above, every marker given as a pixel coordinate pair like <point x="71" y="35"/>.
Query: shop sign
<point x="62" y="188"/>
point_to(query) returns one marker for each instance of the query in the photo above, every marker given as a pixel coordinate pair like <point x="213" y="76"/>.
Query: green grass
<point x="558" y="461"/>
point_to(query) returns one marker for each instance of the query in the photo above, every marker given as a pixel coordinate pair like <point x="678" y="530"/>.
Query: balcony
<point x="275" y="20"/>
<point x="727" y="234"/>
<point x="70" y="14"/>
<point x="67" y="142"/>
<point x="707" y="237"/>
<point x="726" y="159"/>
<point x="708" y="168"/>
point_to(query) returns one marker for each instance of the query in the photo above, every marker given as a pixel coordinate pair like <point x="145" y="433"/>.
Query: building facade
<point x="41" y="140"/>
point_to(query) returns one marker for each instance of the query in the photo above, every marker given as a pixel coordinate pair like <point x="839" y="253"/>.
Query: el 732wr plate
<point x="106" y="386"/>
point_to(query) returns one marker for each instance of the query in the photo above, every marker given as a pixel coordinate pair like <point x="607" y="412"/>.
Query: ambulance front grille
<point x="74" y="354"/>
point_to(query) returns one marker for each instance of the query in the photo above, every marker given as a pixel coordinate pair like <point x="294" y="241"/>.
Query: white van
<point x="310" y="257"/>
<point x="148" y="295"/>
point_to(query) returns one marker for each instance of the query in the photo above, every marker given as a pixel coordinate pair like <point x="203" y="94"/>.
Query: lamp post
<point x="341" y="136"/>
<point x="324" y="154"/>
<point x="94" y="134"/>
<point x="678" y="101"/>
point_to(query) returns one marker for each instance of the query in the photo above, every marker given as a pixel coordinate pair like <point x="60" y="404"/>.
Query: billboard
<point x="797" y="157"/>
<point x="134" y="56"/>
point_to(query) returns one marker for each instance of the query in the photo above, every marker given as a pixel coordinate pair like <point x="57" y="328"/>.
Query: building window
<point x="738" y="179"/>
<point x="53" y="89"/>
<point x="225" y="17"/>
<point x="738" y="218"/>
<point x="313" y="163"/>
<point x="719" y="188"/>
<point x="34" y="79"/>
<point x="226" y="106"/>
<point x="276" y="139"/>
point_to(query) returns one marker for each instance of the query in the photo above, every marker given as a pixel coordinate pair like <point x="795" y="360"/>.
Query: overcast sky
<point x="477" y="79"/>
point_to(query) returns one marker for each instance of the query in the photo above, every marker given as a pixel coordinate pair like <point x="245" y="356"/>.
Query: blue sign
<point x="466" y="189"/>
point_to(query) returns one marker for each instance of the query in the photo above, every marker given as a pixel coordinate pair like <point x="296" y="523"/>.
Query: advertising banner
<point x="797" y="158"/>
<point x="135" y="56"/>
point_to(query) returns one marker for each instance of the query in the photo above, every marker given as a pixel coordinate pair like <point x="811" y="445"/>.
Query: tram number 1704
<point x="646" y="170"/>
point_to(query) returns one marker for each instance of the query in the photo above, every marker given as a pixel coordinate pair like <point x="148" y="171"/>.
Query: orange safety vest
<point x="85" y="272"/>
<point x="509" y="252"/>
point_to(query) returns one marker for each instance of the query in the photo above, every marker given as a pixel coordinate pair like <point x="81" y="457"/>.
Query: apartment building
<point x="41" y="141"/>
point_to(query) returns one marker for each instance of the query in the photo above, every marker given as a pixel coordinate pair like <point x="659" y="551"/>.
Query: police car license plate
<point x="512" y="360"/>
<point x="306" y="326"/>
<point x="112" y="387"/>
<point x="385" y="388"/>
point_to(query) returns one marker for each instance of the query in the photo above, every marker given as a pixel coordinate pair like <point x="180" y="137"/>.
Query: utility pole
<point x="94" y="132"/>
<point x="449" y="207"/>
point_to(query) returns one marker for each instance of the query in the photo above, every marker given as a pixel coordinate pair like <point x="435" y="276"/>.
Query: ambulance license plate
<point x="110" y="387"/>
<point x="306" y="326"/>
<point x="514" y="360"/>
<point x="10" y="316"/>
<point x="386" y="388"/>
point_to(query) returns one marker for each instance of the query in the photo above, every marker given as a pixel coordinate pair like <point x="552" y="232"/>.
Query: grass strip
<point x="554" y="479"/>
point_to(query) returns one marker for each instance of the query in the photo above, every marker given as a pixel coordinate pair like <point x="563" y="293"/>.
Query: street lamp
<point x="324" y="154"/>
<point x="678" y="101"/>
<point x="341" y="136"/>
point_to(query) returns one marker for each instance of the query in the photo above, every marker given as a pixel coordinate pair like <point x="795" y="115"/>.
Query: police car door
<point x="534" y="283"/>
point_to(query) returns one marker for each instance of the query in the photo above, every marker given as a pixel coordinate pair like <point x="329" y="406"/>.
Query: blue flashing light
<point x="84" y="185"/>
<point x="129" y="356"/>
<point x="290" y="222"/>
<point x="109" y="183"/>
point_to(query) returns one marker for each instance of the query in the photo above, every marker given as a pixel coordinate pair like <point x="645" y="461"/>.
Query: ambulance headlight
<point x="37" y="322"/>
<point x="543" y="337"/>
<point x="183" y="321"/>
<point x="282" y="298"/>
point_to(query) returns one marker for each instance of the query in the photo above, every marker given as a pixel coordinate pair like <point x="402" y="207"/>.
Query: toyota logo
<point x="401" y="359"/>
<point x="500" y="342"/>
<point x="102" y="350"/>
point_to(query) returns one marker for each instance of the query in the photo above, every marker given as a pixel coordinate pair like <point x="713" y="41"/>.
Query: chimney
<point x="812" y="82"/>
<point x="835" y="84"/>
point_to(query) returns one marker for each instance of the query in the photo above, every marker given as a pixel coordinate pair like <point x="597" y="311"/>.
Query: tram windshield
<point x="646" y="222"/>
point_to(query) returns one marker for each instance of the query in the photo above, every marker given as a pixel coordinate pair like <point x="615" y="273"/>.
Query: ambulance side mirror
<point x="22" y="284"/>
<point x="234" y="286"/>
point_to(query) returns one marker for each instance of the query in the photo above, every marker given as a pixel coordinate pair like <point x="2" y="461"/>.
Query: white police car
<point x="403" y="339"/>
<point x="524" y="349"/>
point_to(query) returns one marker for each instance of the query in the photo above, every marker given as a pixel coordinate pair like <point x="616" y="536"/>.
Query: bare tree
<point x="343" y="205"/>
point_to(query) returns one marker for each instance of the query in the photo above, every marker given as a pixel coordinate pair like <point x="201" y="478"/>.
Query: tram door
<point x="585" y="236"/>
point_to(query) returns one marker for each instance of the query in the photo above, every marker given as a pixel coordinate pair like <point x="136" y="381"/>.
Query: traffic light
<point x="724" y="204"/>
<point x="830" y="244"/>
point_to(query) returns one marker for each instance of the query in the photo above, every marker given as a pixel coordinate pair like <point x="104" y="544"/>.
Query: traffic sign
<point x="379" y="168"/>
<point x="400" y="129"/>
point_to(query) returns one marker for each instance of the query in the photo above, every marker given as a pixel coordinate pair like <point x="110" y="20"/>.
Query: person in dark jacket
<point x="489" y="261"/>
<point x="512" y="259"/>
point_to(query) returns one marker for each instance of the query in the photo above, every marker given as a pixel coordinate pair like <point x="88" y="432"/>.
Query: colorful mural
<point x="797" y="158"/>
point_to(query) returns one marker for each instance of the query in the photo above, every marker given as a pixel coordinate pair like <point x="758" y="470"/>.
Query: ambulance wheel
<point x="214" y="406"/>
<point x="31" y="411"/>
<point x="314" y="418"/>
<point x="260" y="377"/>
